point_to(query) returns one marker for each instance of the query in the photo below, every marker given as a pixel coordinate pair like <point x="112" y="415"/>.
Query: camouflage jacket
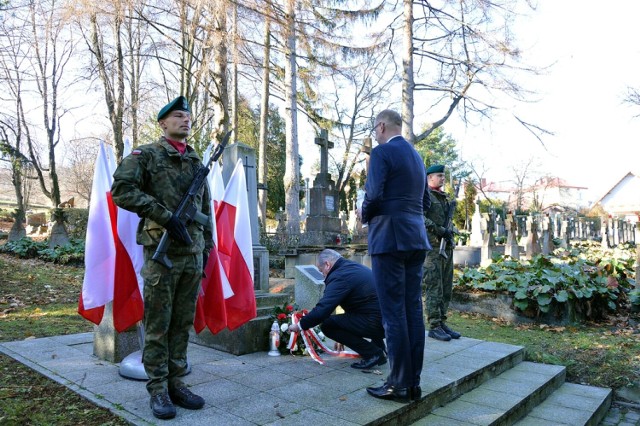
<point x="435" y="217"/>
<point x="151" y="182"/>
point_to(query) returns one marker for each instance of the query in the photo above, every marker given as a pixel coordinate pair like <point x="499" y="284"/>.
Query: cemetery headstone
<point x="323" y="221"/>
<point x="476" y="227"/>
<point x="488" y="242"/>
<point x="547" y="235"/>
<point x="533" y="245"/>
<point x="309" y="286"/>
<point x="511" y="246"/>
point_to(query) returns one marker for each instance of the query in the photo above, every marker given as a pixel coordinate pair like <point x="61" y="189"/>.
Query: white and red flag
<point x="128" y="305"/>
<point x="100" y="249"/>
<point x="215" y="287"/>
<point x="112" y="257"/>
<point x="235" y="249"/>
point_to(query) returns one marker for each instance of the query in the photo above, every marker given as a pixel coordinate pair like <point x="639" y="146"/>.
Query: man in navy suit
<point x="396" y="197"/>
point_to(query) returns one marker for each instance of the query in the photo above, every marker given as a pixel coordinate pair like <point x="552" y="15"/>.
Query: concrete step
<point x="571" y="404"/>
<point x="452" y="369"/>
<point x="272" y="299"/>
<point x="529" y="394"/>
<point x="501" y="400"/>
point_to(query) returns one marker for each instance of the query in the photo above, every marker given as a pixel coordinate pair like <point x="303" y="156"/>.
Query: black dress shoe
<point x="162" y="407"/>
<point x="186" y="399"/>
<point x="390" y="393"/>
<point x="450" y="332"/>
<point x="365" y="364"/>
<point x="439" y="334"/>
<point x="415" y="393"/>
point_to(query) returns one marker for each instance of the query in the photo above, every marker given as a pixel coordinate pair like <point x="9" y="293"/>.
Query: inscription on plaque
<point x="329" y="202"/>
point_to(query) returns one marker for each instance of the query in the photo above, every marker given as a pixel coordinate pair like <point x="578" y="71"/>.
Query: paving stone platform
<point x="464" y="382"/>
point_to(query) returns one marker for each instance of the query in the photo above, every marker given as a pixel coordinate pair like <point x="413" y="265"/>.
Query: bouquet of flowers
<point x="283" y="314"/>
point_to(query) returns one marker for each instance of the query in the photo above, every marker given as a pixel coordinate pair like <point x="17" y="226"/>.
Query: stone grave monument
<point x="323" y="222"/>
<point x="547" y="235"/>
<point x="253" y="335"/>
<point x="476" y="227"/>
<point x="511" y="247"/>
<point x="488" y="241"/>
<point x="533" y="244"/>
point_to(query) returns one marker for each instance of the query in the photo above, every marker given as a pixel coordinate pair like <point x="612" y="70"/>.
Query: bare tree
<point x="464" y="59"/>
<point x="633" y="98"/>
<point x="81" y="155"/>
<point x="521" y="177"/>
<point x="358" y="96"/>
<point x="37" y="48"/>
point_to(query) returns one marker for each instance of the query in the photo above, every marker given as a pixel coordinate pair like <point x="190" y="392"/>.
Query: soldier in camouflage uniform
<point x="151" y="182"/>
<point x="437" y="280"/>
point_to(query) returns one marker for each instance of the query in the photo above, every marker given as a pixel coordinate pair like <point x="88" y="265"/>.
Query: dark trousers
<point x="351" y="330"/>
<point x="398" y="279"/>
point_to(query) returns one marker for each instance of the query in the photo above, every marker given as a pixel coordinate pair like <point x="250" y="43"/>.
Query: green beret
<point x="436" y="168"/>
<point x="178" y="104"/>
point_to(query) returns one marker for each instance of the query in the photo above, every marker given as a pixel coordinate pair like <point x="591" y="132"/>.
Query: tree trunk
<point x="219" y="74"/>
<point x="292" y="168"/>
<point x="17" y="229"/>
<point x="407" y="73"/>
<point x="113" y="94"/>
<point x="234" y="73"/>
<point x="264" y="115"/>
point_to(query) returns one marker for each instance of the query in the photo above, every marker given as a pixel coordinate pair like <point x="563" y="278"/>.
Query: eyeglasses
<point x="373" y="130"/>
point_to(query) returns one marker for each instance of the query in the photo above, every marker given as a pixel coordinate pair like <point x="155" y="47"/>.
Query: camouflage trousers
<point x="169" y="308"/>
<point x="437" y="281"/>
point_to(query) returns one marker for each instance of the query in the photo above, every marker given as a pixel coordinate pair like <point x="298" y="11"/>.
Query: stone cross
<point x="533" y="245"/>
<point x="511" y="246"/>
<point x="488" y="242"/>
<point x="325" y="146"/>
<point x="476" y="227"/>
<point x="547" y="235"/>
<point x="564" y="235"/>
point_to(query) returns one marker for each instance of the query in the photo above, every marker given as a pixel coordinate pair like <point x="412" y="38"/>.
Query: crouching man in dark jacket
<point x="349" y="285"/>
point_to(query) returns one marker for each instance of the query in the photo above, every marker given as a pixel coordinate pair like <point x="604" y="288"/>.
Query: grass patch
<point x="29" y="398"/>
<point x="603" y="354"/>
<point x="39" y="299"/>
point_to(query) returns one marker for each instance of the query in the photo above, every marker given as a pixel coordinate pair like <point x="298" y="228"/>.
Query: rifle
<point x="186" y="210"/>
<point x="449" y="221"/>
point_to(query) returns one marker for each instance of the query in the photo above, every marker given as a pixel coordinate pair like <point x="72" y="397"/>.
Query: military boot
<point x="439" y="334"/>
<point x="162" y="407"/>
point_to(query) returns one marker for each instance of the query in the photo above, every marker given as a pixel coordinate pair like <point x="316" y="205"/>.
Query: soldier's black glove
<point x="205" y="258"/>
<point x="177" y="231"/>
<point x="448" y="234"/>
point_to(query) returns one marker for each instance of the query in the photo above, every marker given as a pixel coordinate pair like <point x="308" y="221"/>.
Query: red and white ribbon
<point x="309" y="337"/>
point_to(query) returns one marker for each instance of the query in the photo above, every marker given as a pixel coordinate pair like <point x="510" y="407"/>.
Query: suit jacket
<point x="396" y="197"/>
<point x="350" y="285"/>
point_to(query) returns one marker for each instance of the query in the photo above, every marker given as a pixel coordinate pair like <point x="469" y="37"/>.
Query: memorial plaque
<point x="329" y="202"/>
<point x="314" y="272"/>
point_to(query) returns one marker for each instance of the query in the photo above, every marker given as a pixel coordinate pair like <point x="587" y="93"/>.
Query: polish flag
<point x="128" y="305"/>
<point x="235" y="249"/>
<point x="215" y="287"/>
<point x="100" y="249"/>
<point x="113" y="259"/>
